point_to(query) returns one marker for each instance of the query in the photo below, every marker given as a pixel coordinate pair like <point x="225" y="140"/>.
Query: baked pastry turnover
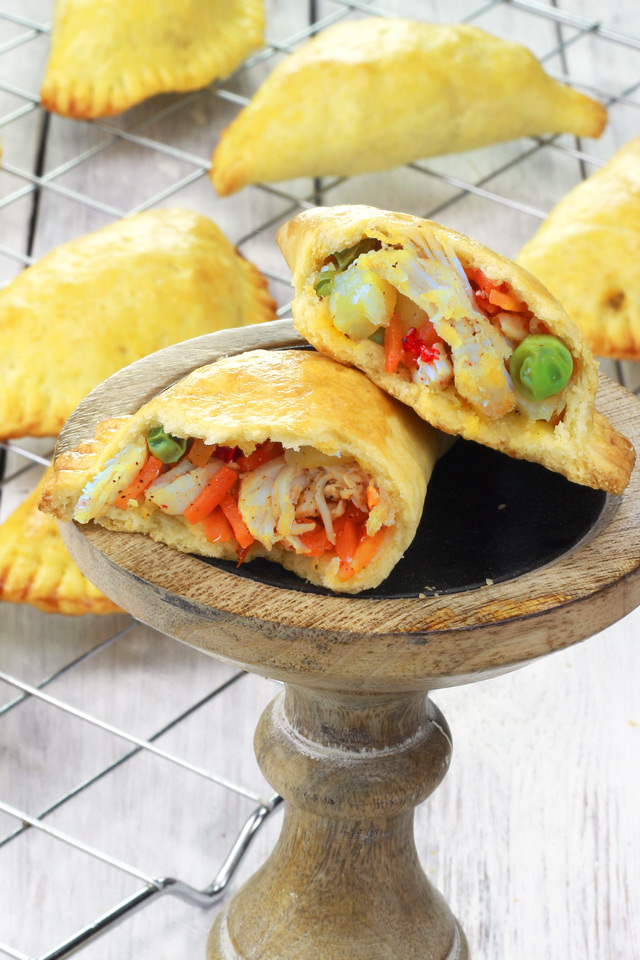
<point x="468" y="339"/>
<point x="107" y="55"/>
<point x="97" y="303"/>
<point x="279" y="454"/>
<point x="35" y="567"/>
<point x="377" y="93"/>
<point x="587" y="253"/>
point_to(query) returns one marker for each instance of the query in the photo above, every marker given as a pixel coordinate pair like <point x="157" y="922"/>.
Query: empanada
<point x="286" y="455"/>
<point x="97" y="303"/>
<point x="468" y="339"/>
<point x="35" y="567"/>
<point x="373" y="94"/>
<point x="587" y="253"/>
<point x="107" y="55"/>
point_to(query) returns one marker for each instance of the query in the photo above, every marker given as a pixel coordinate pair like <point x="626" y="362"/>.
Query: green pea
<point x="378" y="336"/>
<point x="540" y="367"/>
<point x="164" y="447"/>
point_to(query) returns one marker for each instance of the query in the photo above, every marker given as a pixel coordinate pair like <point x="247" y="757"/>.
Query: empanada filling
<point x="300" y="500"/>
<point x="444" y="325"/>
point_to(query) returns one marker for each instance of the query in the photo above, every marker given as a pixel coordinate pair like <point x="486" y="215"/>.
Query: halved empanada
<point x="279" y="454"/>
<point x="474" y="343"/>
<point x="35" y="567"/>
<point x="97" y="303"/>
<point x="373" y="94"/>
<point x="107" y="55"/>
<point x="587" y="253"/>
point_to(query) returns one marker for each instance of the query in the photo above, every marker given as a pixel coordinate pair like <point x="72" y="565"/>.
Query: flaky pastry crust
<point x="107" y="55"/>
<point x="35" y="567"/>
<point x="587" y="253"/>
<point x="373" y="94"/>
<point x="95" y="304"/>
<point x="297" y="398"/>
<point x="584" y="446"/>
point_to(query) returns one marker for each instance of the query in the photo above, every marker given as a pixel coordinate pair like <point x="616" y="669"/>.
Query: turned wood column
<point x="344" y="881"/>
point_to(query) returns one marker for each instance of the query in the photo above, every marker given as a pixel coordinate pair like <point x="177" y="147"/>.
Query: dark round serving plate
<point x="487" y="518"/>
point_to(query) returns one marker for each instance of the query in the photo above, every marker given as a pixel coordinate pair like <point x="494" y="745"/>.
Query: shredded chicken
<point x="275" y="500"/>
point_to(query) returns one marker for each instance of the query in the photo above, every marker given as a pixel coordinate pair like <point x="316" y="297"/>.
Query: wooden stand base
<point x="344" y="881"/>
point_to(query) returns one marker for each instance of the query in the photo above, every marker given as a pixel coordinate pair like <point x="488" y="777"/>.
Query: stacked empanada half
<point x="286" y="455"/>
<point x="468" y="339"/>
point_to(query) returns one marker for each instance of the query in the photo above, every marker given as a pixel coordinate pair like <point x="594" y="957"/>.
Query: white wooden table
<point x="534" y="836"/>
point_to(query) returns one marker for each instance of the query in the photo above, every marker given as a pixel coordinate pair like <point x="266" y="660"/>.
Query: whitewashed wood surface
<point x="534" y="836"/>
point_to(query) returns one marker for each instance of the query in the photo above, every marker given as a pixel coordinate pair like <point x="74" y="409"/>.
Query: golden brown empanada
<point x="35" y="567"/>
<point x="373" y="94"/>
<point x="107" y="55"/>
<point x="468" y="339"/>
<point x="97" y="303"/>
<point x="587" y="252"/>
<point x="279" y="454"/>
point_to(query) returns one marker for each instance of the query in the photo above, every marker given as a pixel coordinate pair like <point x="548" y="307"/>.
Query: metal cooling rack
<point x="449" y="184"/>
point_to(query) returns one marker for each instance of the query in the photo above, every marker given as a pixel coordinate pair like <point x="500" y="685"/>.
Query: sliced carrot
<point x="373" y="496"/>
<point x="315" y="542"/>
<point x="393" y="344"/>
<point x="347" y="540"/>
<point x="140" y="482"/>
<point x="200" y="452"/>
<point x="476" y="276"/>
<point x="239" y="527"/>
<point x="354" y="513"/>
<point x="506" y="301"/>
<point x="216" y="527"/>
<point x="364" y="554"/>
<point x="242" y="554"/>
<point x="267" y="451"/>
<point x="209" y="498"/>
<point x="493" y="296"/>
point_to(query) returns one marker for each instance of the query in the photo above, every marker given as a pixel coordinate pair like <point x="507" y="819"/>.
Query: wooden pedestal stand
<point x="353" y="744"/>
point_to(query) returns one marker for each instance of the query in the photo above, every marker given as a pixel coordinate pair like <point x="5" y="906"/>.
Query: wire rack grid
<point x="62" y="178"/>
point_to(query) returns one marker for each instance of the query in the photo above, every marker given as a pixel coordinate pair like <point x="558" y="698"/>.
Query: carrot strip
<point x="491" y="293"/>
<point x="267" y="451"/>
<point x="315" y="542"/>
<point x="476" y="276"/>
<point x="364" y="554"/>
<point x="507" y="301"/>
<point x="216" y="527"/>
<point x="373" y="496"/>
<point x="347" y="540"/>
<point x="200" y="452"/>
<point x="209" y="498"/>
<point x="140" y="482"/>
<point x="239" y="527"/>
<point x="393" y="344"/>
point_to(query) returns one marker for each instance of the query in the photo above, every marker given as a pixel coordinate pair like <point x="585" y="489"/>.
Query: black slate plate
<point x="486" y="516"/>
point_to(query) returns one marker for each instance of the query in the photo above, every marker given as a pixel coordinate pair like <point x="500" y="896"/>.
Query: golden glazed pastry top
<point x="583" y="445"/>
<point x="95" y="304"/>
<point x="107" y="55"/>
<point x="587" y="252"/>
<point x="298" y="398"/>
<point x="35" y="567"/>
<point x="369" y="95"/>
